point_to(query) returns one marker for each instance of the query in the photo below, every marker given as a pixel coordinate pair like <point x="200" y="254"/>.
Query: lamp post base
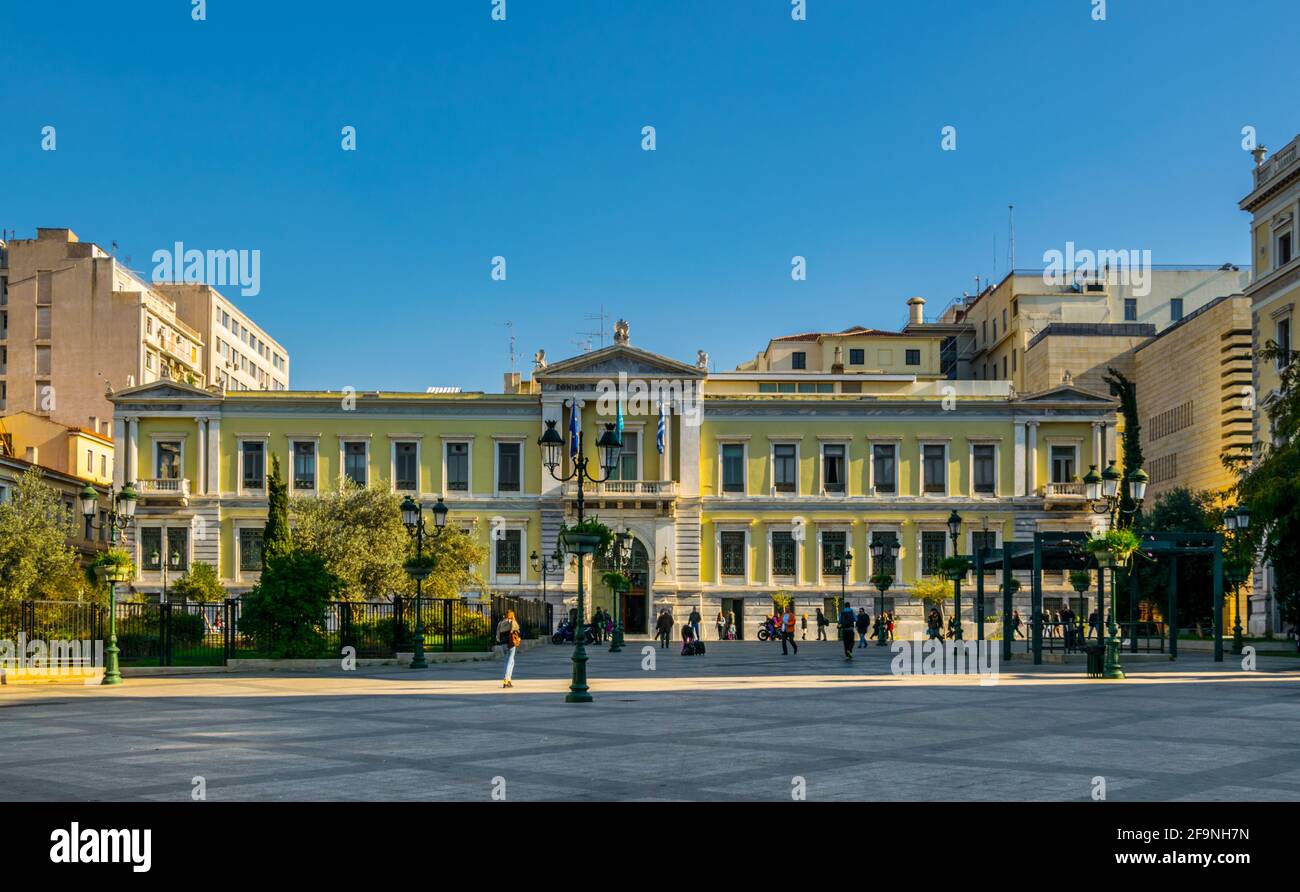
<point x="1112" y="668"/>
<point x="616" y="640"/>
<point x="112" y="674"/>
<point x="578" y="690"/>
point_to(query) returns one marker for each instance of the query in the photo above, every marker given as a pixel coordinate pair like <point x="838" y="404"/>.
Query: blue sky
<point x="522" y="139"/>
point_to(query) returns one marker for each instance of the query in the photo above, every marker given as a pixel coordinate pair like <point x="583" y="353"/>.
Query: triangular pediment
<point x="163" y="390"/>
<point x="610" y="361"/>
<point x="1067" y="393"/>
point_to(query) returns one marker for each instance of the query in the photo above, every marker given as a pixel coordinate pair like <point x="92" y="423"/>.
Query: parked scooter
<point x="564" y="633"/>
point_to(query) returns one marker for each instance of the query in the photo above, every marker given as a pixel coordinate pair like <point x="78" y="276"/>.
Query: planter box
<point x="580" y="543"/>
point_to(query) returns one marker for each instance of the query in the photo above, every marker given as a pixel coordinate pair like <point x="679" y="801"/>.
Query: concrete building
<point x="766" y="475"/>
<point x="241" y="356"/>
<point x="74" y="451"/>
<point x="1274" y="206"/>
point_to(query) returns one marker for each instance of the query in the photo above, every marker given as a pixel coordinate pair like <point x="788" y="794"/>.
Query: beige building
<point x="77" y="322"/>
<point x="1274" y="206"/>
<point x="74" y="451"/>
<point x="241" y="356"/>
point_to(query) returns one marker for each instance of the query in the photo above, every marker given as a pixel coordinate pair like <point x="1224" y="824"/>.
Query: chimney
<point x="916" y="311"/>
<point x="512" y="381"/>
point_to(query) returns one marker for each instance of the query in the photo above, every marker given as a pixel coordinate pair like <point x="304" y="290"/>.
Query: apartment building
<point x="70" y="450"/>
<point x="241" y="355"/>
<point x="763" y="479"/>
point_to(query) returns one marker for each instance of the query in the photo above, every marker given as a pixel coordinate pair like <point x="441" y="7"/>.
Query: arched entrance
<point x="634" y="604"/>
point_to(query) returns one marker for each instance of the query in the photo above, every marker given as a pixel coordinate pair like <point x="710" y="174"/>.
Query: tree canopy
<point x="36" y="561"/>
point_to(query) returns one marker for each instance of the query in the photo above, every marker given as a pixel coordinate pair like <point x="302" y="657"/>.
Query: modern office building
<point x="241" y="356"/>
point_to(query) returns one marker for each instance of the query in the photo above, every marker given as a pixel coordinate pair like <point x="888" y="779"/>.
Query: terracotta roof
<point x="853" y="330"/>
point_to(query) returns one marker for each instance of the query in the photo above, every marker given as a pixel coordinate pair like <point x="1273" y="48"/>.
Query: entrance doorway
<point x="633" y="604"/>
<point x="735" y="607"/>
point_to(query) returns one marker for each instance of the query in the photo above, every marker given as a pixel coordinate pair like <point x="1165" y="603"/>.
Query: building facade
<point x="765" y="477"/>
<point x="241" y="356"/>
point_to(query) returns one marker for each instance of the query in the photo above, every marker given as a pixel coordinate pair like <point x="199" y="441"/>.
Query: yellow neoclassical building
<point x="756" y="481"/>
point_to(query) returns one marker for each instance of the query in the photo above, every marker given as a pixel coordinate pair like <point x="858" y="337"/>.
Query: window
<point x="732" y="545"/>
<point x="42" y="323"/>
<point x="508" y="552"/>
<point x="151" y="548"/>
<point x="178" y="549"/>
<point x="1063" y="464"/>
<point x="785" y="555"/>
<point x="1004" y="365"/>
<point x="90" y="461"/>
<point x="42" y="360"/>
<point x="1015" y="307"/>
<point x="254" y="456"/>
<point x="984" y="331"/>
<point x="995" y="329"/>
<point x="1004" y="320"/>
<point x="887" y="564"/>
<point x="833" y="467"/>
<point x="1013" y="359"/>
<point x="1282" y="336"/>
<point x="857" y="356"/>
<point x="168" y="460"/>
<point x="304" y="464"/>
<point x="354" y="462"/>
<point x="933" y="547"/>
<point x="1284" y="249"/>
<point x="799" y="360"/>
<point x="406" y="466"/>
<point x="983" y="457"/>
<point x="935" y="464"/>
<point x="508" y="466"/>
<point x="628" y="457"/>
<point x="785" y="467"/>
<point x="250" y="549"/>
<point x="457" y="467"/>
<point x="913" y="357"/>
<point x="884" y="468"/>
<point x="1130" y="309"/>
<point x="833" y="546"/>
<point x="733" y="467"/>
<point x="103" y="466"/>
<point x="1175" y="309"/>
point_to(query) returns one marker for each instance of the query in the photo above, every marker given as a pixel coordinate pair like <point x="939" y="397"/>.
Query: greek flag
<point x="618" y="421"/>
<point x="573" y="429"/>
<point x="662" y="433"/>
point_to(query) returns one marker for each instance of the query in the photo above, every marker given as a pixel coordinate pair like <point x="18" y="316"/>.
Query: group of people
<point x="1063" y="623"/>
<point x="602" y="625"/>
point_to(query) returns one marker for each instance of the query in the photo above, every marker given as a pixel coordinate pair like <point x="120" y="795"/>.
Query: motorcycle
<point x="564" y="633"/>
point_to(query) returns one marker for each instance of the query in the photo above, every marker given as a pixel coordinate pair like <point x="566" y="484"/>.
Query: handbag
<point x="515" y="638"/>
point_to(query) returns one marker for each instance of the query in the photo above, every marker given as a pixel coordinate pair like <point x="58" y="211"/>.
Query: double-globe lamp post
<point x="609" y="444"/>
<point x="1237" y="520"/>
<point x="1102" y="491"/>
<point x="413" y="520"/>
<point x="119" y="517"/>
<point x="882" y="581"/>
<point x="954" y="533"/>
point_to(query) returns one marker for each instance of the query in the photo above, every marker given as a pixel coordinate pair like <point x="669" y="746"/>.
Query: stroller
<point x="690" y="645"/>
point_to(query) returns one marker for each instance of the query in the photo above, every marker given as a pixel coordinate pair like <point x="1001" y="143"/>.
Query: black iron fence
<point x="193" y="634"/>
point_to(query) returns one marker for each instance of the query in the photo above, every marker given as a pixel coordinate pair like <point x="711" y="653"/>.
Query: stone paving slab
<point x="740" y="723"/>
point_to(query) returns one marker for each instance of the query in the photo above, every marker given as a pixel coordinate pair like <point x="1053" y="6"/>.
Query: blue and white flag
<point x="573" y="429"/>
<point x="662" y="435"/>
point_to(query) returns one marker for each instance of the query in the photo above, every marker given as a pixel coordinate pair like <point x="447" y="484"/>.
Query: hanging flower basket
<point x="114" y="565"/>
<point x="882" y="581"/>
<point x="1114" y="548"/>
<point x="954" y="568"/>
<point x="589" y="537"/>
<point x="419" y="568"/>
<point x="1080" y="580"/>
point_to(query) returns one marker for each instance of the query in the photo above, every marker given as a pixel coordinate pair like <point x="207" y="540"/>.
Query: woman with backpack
<point x="509" y="637"/>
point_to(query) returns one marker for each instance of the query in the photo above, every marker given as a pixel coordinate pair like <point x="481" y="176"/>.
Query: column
<point x="1019" y="476"/>
<point x="1031" y="470"/>
<point x="132" y="448"/>
<point x="553" y="409"/>
<point x="201" y="465"/>
<point x="213" y="477"/>
<point x="1098" y="457"/>
<point x="119" y="452"/>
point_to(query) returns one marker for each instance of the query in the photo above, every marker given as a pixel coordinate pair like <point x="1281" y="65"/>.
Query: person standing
<point x="934" y="624"/>
<point x="509" y="637"/>
<point x="722" y="625"/>
<point x="694" y="620"/>
<point x="664" y="627"/>
<point x="822" y="623"/>
<point x="803" y="627"/>
<point x="847" y="620"/>
<point x="863" y="623"/>
<point x="889" y="626"/>
<point x="787" y="629"/>
<point x="731" y="626"/>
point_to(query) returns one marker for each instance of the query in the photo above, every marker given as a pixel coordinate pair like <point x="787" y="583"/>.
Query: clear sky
<point x="523" y="139"/>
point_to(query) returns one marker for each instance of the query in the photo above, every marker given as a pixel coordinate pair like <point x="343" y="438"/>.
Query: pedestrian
<point x="694" y="620"/>
<point x="597" y="625"/>
<point x="822" y="623"/>
<point x="1094" y="625"/>
<point x="847" y="619"/>
<point x="722" y="625"/>
<point x="863" y="625"/>
<point x="664" y="627"/>
<point x="731" y="625"/>
<point x="1017" y="624"/>
<point x="934" y="624"/>
<point x="787" y="629"/>
<point x="890" y="625"/>
<point x="509" y="637"/>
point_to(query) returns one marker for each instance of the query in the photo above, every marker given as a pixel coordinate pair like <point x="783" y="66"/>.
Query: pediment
<point x="163" y="390"/>
<point x="1068" y="394"/>
<point x="609" y="362"/>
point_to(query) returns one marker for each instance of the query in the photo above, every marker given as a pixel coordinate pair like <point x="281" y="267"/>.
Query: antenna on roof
<point x="601" y="317"/>
<point x="1011" y="250"/>
<point x="510" y="327"/>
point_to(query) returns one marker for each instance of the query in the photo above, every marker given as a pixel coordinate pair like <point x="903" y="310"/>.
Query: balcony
<point x="165" y="489"/>
<point x="652" y="495"/>
<point x="1064" y="495"/>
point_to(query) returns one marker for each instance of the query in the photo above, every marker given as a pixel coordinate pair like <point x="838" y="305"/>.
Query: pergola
<point x="1063" y="551"/>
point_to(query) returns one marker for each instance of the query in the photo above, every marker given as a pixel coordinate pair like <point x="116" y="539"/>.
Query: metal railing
<point x="164" y="486"/>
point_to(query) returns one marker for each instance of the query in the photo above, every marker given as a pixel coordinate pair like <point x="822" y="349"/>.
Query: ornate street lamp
<point x="954" y="533"/>
<point x="1237" y="520"/>
<point x="1102" y="492"/>
<point x="552" y="564"/>
<point x="413" y="520"/>
<point x="120" y="516"/>
<point x="622" y="559"/>
<point x="882" y="581"/>
<point x="609" y="444"/>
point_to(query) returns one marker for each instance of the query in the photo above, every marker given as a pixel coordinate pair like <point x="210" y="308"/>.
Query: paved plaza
<point x="740" y="723"/>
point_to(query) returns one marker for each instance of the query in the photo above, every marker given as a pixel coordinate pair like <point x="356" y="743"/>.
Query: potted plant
<point x="882" y="581"/>
<point x="954" y="568"/>
<point x="114" y="565"/>
<point x="588" y="537"/>
<point x="1080" y="580"/>
<point x="1014" y="585"/>
<point x="1114" y="548"/>
<point x="419" y="567"/>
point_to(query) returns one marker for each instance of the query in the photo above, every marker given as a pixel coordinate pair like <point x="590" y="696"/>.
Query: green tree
<point x="1126" y="390"/>
<point x="276" y="538"/>
<point x="933" y="591"/>
<point x="1268" y="480"/>
<point x="285" y="611"/>
<point x="36" y="561"/>
<point x="358" y="533"/>
<point x="455" y="553"/>
<point x="201" y="584"/>
<point x="1178" y="511"/>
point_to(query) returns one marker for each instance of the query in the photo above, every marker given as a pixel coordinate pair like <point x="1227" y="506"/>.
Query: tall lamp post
<point x="882" y="581"/>
<point x="1237" y="520"/>
<point x="173" y="560"/>
<point x="622" y="556"/>
<point x="553" y="563"/>
<point x="1102" y="491"/>
<point x="843" y="563"/>
<point x="552" y="445"/>
<point x="954" y="533"/>
<point x="120" y="516"/>
<point x="413" y="520"/>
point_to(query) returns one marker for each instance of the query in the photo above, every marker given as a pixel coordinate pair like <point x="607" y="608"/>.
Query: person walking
<point x="664" y="627"/>
<point x="694" y="620"/>
<point x="597" y="625"/>
<point x="731" y="625"/>
<point x="934" y="624"/>
<point x="722" y="625"/>
<point x="863" y="625"/>
<point x="1017" y="624"/>
<point x="822" y="623"/>
<point x="787" y="629"/>
<point x="803" y="627"/>
<point x="889" y="625"/>
<point x="847" y="619"/>
<point x="509" y="636"/>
